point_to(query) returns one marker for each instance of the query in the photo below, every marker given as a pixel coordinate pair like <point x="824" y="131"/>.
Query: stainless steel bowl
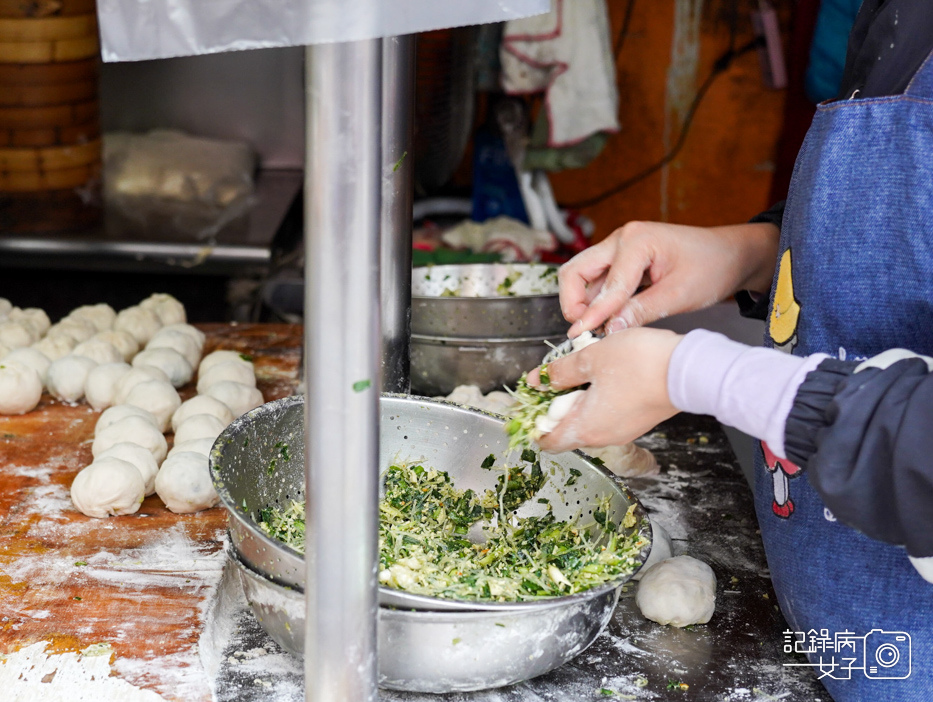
<point x="446" y="436"/>
<point x="479" y="310"/>
<point x="440" y="364"/>
<point x="447" y="651"/>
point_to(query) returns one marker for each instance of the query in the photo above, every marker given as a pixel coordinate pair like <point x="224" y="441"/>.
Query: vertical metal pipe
<point x="398" y="126"/>
<point x="342" y="352"/>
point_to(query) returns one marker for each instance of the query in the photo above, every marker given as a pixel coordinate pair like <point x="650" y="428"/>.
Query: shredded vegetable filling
<point x="530" y="403"/>
<point x="424" y="549"/>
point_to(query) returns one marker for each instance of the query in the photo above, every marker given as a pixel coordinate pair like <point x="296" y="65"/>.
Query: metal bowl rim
<point x="642" y="525"/>
<point x="491" y="340"/>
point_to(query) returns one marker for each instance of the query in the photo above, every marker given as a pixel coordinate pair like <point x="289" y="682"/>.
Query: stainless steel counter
<point x="243" y="247"/>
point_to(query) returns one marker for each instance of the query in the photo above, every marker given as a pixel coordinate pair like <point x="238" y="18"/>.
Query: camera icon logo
<point x="887" y="655"/>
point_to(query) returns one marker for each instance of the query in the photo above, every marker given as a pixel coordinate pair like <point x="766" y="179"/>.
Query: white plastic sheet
<point x="134" y="30"/>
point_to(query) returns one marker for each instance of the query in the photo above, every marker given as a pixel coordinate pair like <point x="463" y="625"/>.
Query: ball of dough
<point x="20" y="388"/>
<point x="16" y="335"/>
<point x="237" y="371"/>
<point x="78" y="329"/>
<point x="101" y="384"/>
<point x="560" y="408"/>
<point x="169" y="361"/>
<point x="136" y="376"/>
<point x="68" y="376"/>
<point x="167" y="308"/>
<point x="196" y="334"/>
<point x="121" y="341"/>
<point x="107" y="487"/>
<point x="679" y="591"/>
<point x="55" y="346"/>
<point x="202" y="446"/>
<point x="4" y="351"/>
<point x="141" y="324"/>
<point x="102" y="315"/>
<point x="158" y="397"/>
<point x="662" y="548"/>
<point x="184" y="483"/>
<point x="31" y="357"/>
<point x="114" y="414"/>
<point x="138" y="456"/>
<point x="177" y="341"/>
<point x="133" y="430"/>
<point x="200" y="426"/>
<point x="5" y="307"/>
<point x="201" y="404"/>
<point x="98" y="350"/>
<point x="35" y="317"/>
<point x="238" y="397"/>
<point x="221" y="356"/>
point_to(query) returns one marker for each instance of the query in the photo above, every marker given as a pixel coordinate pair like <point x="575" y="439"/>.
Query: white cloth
<point x="567" y="54"/>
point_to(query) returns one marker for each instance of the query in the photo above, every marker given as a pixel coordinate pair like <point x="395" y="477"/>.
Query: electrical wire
<point x="719" y="67"/>
<point x="623" y="31"/>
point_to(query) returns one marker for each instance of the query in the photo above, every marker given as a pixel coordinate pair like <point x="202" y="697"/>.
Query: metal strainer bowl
<point x="445" y="436"/>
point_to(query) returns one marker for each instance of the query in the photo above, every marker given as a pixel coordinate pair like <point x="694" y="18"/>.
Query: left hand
<point x="627" y="373"/>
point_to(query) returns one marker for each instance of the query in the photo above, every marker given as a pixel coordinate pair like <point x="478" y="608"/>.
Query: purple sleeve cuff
<point x="746" y="387"/>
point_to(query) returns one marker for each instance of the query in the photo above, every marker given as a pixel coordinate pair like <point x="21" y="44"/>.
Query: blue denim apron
<point x="855" y="277"/>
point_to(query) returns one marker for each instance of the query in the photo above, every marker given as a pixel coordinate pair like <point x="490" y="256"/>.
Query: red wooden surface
<point x="140" y="582"/>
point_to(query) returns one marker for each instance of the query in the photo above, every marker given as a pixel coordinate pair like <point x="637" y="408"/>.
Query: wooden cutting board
<point x="142" y="582"/>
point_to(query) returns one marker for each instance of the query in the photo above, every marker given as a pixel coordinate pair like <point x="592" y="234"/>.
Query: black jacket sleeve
<point x="753" y="305"/>
<point x="866" y="440"/>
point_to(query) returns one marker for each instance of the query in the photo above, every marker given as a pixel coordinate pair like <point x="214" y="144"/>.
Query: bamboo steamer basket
<point x="45" y="8"/>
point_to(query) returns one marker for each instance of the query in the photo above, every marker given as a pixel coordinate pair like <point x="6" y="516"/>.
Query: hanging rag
<point x="567" y="55"/>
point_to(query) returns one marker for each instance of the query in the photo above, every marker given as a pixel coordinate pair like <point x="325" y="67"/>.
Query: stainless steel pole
<point x="398" y="126"/>
<point x="343" y="187"/>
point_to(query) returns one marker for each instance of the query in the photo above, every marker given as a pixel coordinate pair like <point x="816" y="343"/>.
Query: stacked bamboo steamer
<point x="50" y="142"/>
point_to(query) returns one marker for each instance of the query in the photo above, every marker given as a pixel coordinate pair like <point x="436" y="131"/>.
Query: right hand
<point x="681" y="269"/>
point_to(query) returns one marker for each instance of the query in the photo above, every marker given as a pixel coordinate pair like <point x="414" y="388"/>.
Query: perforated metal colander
<point x="444" y="436"/>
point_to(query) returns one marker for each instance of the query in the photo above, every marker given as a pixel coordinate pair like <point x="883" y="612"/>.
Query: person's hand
<point x="681" y="269"/>
<point x="627" y="396"/>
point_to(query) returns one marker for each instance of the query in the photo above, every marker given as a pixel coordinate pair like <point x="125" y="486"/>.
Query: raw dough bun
<point x="169" y="361"/>
<point x="158" y="397"/>
<point x="627" y="461"/>
<point x="237" y="371"/>
<point x="177" y="341"/>
<point x="101" y="384"/>
<point x="200" y="426"/>
<point x="102" y="315"/>
<point x="31" y="357"/>
<point x="121" y="341"/>
<point x="202" y="446"/>
<point x="16" y="335"/>
<point x="4" y="351"/>
<point x="34" y="317"/>
<point x="20" y="388"/>
<point x="78" y="329"/>
<point x="98" y="350"/>
<point x="141" y="323"/>
<point x="201" y="404"/>
<point x="167" y="308"/>
<point x="222" y="356"/>
<point x="560" y="408"/>
<point x="109" y="486"/>
<point x="196" y="334"/>
<point x="184" y="483"/>
<point x="5" y="307"/>
<point x="133" y="430"/>
<point x="68" y="376"/>
<point x="238" y="397"/>
<point x="137" y="456"/>
<point x="679" y="591"/>
<point x="55" y="346"/>
<point x="471" y="396"/>
<point x="134" y="378"/>
<point x="117" y="412"/>
<point x="662" y="548"/>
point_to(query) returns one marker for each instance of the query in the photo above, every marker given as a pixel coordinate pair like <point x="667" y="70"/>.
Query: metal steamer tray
<point x="446" y="437"/>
